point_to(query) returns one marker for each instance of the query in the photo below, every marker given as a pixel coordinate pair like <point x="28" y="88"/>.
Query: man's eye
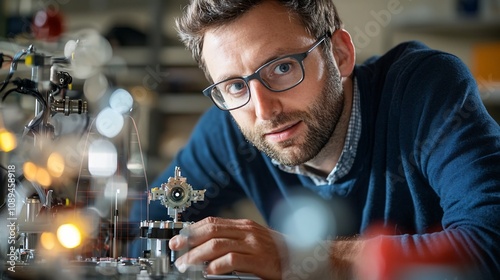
<point x="236" y="88"/>
<point x="282" y="68"/>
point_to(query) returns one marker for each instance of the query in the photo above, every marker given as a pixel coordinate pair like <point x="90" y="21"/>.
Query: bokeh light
<point x="95" y="87"/>
<point x="102" y="158"/>
<point x="7" y="140"/>
<point x="305" y="220"/>
<point x="116" y="188"/>
<point x="55" y="165"/>
<point x="29" y="170"/>
<point x="88" y="52"/>
<point x="109" y="122"/>
<point x="69" y="236"/>
<point x="121" y="101"/>
<point x="43" y="177"/>
<point x="48" y="240"/>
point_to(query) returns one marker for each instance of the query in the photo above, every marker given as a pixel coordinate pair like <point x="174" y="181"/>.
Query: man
<point x="401" y="141"/>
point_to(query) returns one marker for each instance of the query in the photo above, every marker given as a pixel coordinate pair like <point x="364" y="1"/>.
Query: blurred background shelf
<point x="460" y="26"/>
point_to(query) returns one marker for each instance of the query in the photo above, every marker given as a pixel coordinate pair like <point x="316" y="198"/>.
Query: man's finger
<point x="210" y="250"/>
<point x="209" y="228"/>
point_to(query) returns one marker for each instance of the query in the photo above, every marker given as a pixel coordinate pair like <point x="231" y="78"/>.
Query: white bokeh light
<point x="69" y="48"/>
<point x="88" y="52"/>
<point x="121" y="101"/>
<point x="116" y="188"/>
<point x="95" y="87"/>
<point x="102" y="158"/>
<point x="109" y="122"/>
<point x="304" y="220"/>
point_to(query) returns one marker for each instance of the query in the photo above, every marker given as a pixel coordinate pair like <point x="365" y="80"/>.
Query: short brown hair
<point x="319" y="17"/>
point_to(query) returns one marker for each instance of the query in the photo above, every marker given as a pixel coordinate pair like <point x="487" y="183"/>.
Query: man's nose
<point x="266" y="103"/>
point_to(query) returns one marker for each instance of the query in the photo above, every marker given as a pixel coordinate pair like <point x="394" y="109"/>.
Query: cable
<point x="13" y="68"/>
<point x="81" y="163"/>
<point x="3" y="60"/>
<point x="142" y="161"/>
<point x="27" y="87"/>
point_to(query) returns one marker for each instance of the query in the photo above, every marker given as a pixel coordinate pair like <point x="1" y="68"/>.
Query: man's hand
<point x="231" y="245"/>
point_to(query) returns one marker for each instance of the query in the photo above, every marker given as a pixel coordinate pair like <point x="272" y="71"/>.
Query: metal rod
<point x="115" y="226"/>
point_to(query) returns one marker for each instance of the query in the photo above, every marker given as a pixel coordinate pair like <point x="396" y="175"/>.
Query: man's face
<point x="291" y="126"/>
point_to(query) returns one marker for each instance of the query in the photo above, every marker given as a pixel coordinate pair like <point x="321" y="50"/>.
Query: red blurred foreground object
<point x="383" y="257"/>
<point x="47" y="25"/>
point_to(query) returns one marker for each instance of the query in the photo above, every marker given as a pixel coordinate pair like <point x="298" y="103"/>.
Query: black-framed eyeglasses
<point x="277" y="75"/>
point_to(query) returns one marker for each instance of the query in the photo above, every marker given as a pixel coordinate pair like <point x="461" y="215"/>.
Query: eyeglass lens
<point x="278" y="75"/>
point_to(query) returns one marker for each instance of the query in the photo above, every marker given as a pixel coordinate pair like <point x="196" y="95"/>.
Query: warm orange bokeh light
<point x="30" y="169"/>
<point x="7" y="140"/>
<point x="55" y="165"/>
<point x="69" y="236"/>
<point x="43" y="177"/>
<point x="48" y="240"/>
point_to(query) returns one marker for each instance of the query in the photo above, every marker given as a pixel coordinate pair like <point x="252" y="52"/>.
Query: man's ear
<point x="343" y="52"/>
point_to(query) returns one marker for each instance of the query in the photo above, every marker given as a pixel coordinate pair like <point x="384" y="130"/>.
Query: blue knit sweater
<point x="427" y="165"/>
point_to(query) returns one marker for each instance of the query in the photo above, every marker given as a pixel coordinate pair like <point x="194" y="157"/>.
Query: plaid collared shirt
<point x="348" y="154"/>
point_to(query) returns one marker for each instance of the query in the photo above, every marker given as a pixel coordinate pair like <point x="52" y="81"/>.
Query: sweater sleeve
<point x="449" y="141"/>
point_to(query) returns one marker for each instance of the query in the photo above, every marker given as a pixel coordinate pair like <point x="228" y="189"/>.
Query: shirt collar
<point x="348" y="154"/>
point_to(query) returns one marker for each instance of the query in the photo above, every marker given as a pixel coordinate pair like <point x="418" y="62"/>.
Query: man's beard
<point x="321" y="119"/>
